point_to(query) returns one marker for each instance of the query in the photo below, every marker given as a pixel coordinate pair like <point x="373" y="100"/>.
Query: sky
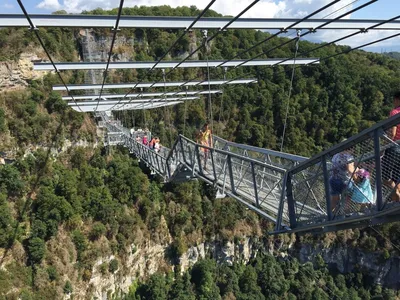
<point x="382" y="9"/>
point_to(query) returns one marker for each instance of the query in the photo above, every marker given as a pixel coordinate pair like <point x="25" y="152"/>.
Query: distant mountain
<point x="395" y="55"/>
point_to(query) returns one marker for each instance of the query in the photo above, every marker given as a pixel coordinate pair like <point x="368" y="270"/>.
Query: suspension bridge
<point x="291" y="191"/>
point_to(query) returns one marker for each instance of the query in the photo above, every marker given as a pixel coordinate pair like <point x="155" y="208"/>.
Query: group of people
<point x="353" y="182"/>
<point x="153" y="143"/>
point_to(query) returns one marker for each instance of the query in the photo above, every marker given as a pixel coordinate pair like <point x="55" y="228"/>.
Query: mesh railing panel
<point x="348" y="187"/>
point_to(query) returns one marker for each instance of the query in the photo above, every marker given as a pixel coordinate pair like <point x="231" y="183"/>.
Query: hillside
<point x="88" y="222"/>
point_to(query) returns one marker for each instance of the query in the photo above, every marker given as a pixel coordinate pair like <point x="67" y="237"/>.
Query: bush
<point x="52" y="272"/>
<point x="113" y="266"/>
<point x="68" y="287"/>
<point x="97" y="231"/>
<point x="36" y="250"/>
<point x="369" y="243"/>
<point x="103" y="268"/>
<point x="3" y="126"/>
<point x="385" y="254"/>
<point x="80" y="242"/>
<point x="55" y="104"/>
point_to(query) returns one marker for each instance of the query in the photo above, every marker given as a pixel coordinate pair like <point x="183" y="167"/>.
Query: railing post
<point x="253" y="173"/>
<point x="183" y="150"/>
<point x="197" y="154"/>
<point x="281" y="203"/>
<point x="213" y="164"/>
<point x="378" y="170"/>
<point x="290" y="201"/>
<point x="327" y="188"/>
<point x="231" y="174"/>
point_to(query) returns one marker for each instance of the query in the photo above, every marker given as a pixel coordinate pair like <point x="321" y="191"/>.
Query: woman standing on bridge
<point x="205" y="137"/>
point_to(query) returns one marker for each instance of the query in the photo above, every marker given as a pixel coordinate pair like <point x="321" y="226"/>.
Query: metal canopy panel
<point x="124" y="102"/>
<point x="73" y="87"/>
<point x="140" y="95"/>
<point x="126" y="107"/>
<point x="150" y="105"/>
<point x="87" y="21"/>
<point x="170" y="64"/>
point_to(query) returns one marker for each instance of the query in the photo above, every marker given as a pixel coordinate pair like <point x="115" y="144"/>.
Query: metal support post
<point x="183" y="150"/>
<point x="378" y="169"/>
<point x="327" y="188"/>
<point x="253" y="173"/>
<point x="281" y="203"/>
<point x="213" y="164"/>
<point x="231" y="174"/>
<point x="290" y="201"/>
<point x="197" y="154"/>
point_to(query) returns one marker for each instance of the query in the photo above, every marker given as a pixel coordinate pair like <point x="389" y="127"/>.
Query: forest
<point x="95" y="203"/>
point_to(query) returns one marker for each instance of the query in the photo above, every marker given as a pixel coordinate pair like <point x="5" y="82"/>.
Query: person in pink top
<point x="145" y="141"/>
<point x="391" y="159"/>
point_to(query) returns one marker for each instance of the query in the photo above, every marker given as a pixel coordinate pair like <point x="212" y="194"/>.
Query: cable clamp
<point x="33" y="28"/>
<point x="113" y="29"/>
<point x="284" y="30"/>
<point x="363" y="30"/>
<point x="313" y="30"/>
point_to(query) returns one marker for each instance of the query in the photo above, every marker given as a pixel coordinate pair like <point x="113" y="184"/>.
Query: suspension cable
<point x="165" y="54"/>
<point x="222" y="98"/>
<point x="214" y="35"/>
<point x="358" y="47"/>
<point x="339" y="9"/>
<point x="280" y="31"/>
<point x="209" y="86"/>
<point x="33" y="28"/>
<point x="347" y="51"/>
<point x="345" y="37"/>
<point x="184" y="113"/>
<point x="290" y="88"/>
<point x="115" y="29"/>
<point x="306" y="33"/>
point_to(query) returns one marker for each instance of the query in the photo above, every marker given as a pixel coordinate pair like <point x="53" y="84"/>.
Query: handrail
<point x="362" y="136"/>
<point x="296" y="158"/>
<point x="235" y="155"/>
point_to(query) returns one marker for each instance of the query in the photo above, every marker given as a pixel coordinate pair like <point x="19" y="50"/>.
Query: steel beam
<point x="126" y="102"/>
<point x="139" y="96"/>
<point x="170" y="64"/>
<point x="88" y="21"/>
<point x="92" y="107"/>
<point x="73" y="87"/>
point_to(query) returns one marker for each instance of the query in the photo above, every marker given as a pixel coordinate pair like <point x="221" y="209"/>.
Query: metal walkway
<point x="289" y="190"/>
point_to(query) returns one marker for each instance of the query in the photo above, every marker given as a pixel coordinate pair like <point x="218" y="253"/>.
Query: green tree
<point x="36" y="250"/>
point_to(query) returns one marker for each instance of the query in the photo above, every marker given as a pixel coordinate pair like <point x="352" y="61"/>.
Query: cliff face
<point x="151" y="258"/>
<point x="15" y="75"/>
<point x="348" y="259"/>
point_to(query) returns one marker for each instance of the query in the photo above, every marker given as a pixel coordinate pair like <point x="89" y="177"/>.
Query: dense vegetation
<point x="59" y="216"/>
<point x="264" y="278"/>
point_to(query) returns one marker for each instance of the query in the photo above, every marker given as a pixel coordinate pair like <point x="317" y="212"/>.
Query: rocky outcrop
<point x="15" y="75"/>
<point x="150" y="258"/>
<point x="347" y="259"/>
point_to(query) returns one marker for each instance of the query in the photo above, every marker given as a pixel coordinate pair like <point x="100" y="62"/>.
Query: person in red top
<point x="391" y="159"/>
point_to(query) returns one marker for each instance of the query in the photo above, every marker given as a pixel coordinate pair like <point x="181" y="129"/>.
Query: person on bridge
<point x="144" y="140"/>
<point x="360" y="188"/>
<point x="157" y="145"/>
<point x="152" y="143"/>
<point x="391" y="158"/>
<point x="341" y="172"/>
<point x="205" y="137"/>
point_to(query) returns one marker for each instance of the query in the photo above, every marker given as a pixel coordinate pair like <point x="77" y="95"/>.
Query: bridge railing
<point x="256" y="184"/>
<point x="311" y="182"/>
